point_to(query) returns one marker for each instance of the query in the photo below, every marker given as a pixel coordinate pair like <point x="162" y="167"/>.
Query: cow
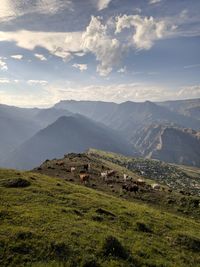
<point x="130" y="188"/>
<point x="85" y="178"/>
<point x="104" y="175"/>
<point x="73" y="169"/>
<point x="156" y="186"/>
<point x="125" y="177"/>
<point x="111" y="173"/>
<point x="60" y="163"/>
<point x="86" y="167"/>
<point x="140" y="182"/>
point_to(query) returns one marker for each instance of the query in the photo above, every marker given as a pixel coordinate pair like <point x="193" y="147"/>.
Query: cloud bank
<point x="102" y="39"/>
<point x="10" y="9"/>
<point x="3" y="65"/>
<point x="102" y="4"/>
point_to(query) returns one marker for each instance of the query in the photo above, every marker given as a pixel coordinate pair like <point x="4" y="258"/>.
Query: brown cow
<point x="86" y="167"/>
<point x="85" y="178"/>
<point x="130" y="188"/>
<point x="140" y="182"/>
<point x="60" y="163"/>
<point x="111" y="173"/>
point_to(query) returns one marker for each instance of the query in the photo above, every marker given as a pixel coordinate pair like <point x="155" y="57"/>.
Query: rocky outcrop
<point x="169" y="143"/>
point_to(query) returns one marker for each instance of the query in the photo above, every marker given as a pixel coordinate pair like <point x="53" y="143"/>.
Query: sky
<point x="108" y="50"/>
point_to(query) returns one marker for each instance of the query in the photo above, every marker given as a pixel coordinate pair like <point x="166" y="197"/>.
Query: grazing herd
<point x="105" y="177"/>
<point x="110" y="177"/>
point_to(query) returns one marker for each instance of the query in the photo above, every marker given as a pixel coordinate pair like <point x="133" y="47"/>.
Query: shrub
<point x="17" y="183"/>
<point x="59" y="251"/>
<point x="24" y="235"/>
<point x="191" y="243"/>
<point x="142" y="227"/>
<point x="112" y="247"/>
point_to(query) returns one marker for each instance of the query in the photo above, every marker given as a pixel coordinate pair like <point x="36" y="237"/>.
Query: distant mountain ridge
<point x="20" y="125"/>
<point x="67" y="134"/>
<point x="190" y="107"/>
<point x="169" y="143"/>
<point x="127" y="117"/>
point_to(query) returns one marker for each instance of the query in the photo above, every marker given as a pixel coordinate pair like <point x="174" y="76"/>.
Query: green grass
<point x="56" y="223"/>
<point x="178" y="177"/>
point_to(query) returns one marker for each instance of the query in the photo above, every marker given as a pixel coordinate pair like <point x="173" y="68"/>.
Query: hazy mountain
<point x="18" y="113"/>
<point x="45" y="117"/>
<point x="128" y="116"/>
<point x="67" y="134"/>
<point x="20" y="124"/>
<point x="16" y="126"/>
<point x="96" y="110"/>
<point x="189" y="107"/>
<point x="170" y="144"/>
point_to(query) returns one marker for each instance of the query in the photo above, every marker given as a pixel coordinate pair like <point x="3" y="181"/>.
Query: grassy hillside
<point x="166" y="198"/>
<point x="46" y="221"/>
<point x="177" y="177"/>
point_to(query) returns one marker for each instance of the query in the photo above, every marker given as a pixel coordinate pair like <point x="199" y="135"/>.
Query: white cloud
<point x="18" y="57"/>
<point x="53" y="6"/>
<point x="98" y="39"/>
<point x="115" y="92"/>
<point x="3" y="65"/>
<point x="122" y="70"/>
<point x="146" y="30"/>
<point x="154" y="1"/>
<point x="139" y="92"/>
<point x="107" y="49"/>
<point x="81" y="67"/>
<point x="40" y="57"/>
<point x="37" y="82"/>
<point x="4" y="81"/>
<point x="6" y="12"/>
<point x="23" y="99"/>
<point x="58" y="44"/>
<point x="192" y="66"/>
<point x="102" y="4"/>
<point x="10" y="9"/>
<point x="189" y="92"/>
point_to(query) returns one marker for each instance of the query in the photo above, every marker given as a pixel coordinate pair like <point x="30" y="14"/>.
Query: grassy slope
<point x="55" y="221"/>
<point x="178" y="176"/>
<point x="164" y="200"/>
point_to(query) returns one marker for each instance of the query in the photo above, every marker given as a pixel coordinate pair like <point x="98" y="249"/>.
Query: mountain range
<point x="67" y="134"/>
<point x="169" y="143"/>
<point x="167" y="131"/>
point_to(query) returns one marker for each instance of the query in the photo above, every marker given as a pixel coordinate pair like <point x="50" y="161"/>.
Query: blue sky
<point x="108" y="50"/>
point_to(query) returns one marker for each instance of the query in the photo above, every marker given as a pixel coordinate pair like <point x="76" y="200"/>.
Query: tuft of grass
<point x="140" y="226"/>
<point x="112" y="247"/>
<point x="189" y="242"/>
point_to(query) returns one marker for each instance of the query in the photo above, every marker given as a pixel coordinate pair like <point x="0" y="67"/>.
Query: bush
<point x="24" y="235"/>
<point x="191" y="243"/>
<point x="17" y="183"/>
<point x="142" y="227"/>
<point x="59" y="251"/>
<point x="112" y="247"/>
